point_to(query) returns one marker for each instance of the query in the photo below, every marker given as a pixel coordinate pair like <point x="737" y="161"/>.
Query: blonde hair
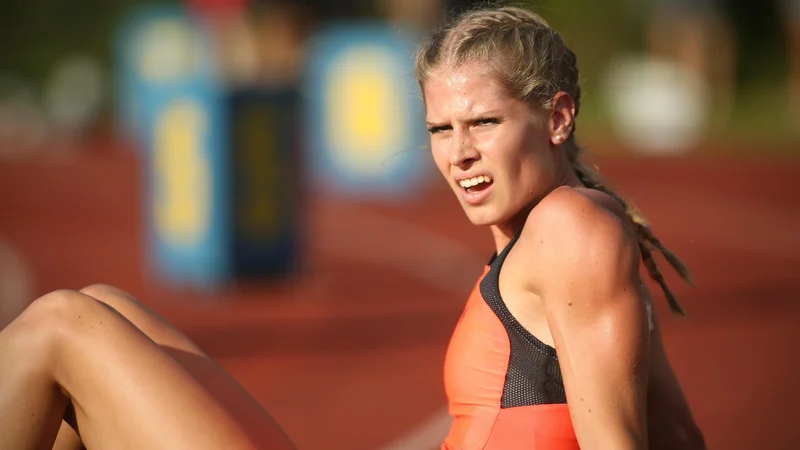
<point x="532" y="62"/>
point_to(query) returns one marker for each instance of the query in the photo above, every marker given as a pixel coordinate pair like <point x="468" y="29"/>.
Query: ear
<point x="562" y="118"/>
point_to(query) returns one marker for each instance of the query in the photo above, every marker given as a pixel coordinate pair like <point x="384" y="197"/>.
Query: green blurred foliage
<point x="599" y="31"/>
<point x="594" y="30"/>
<point x="36" y="33"/>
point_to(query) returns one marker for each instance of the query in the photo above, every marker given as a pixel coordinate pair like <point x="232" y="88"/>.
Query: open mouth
<point x="475" y="184"/>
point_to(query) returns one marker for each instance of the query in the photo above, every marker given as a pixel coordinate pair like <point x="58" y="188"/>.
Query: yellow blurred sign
<point x="364" y="114"/>
<point x="365" y="119"/>
<point x="181" y="173"/>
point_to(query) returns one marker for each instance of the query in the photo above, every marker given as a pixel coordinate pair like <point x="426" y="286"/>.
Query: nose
<point x="463" y="153"/>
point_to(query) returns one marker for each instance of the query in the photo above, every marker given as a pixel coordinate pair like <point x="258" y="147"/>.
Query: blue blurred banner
<point x="158" y="47"/>
<point x="364" y="114"/>
<point x="174" y="103"/>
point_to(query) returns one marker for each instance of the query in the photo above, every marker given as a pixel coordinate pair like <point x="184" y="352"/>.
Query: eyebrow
<point x="435" y="124"/>
<point x="480" y="116"/>
<point x="486" y="114"/>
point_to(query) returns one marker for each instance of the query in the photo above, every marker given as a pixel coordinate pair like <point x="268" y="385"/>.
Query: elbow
<point x="692" y="439"/>
<point x="686" y="437"/>
<point x="698" y="442"/>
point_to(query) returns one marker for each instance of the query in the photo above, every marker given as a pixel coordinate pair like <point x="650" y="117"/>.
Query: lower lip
<point x="476" y="197"/>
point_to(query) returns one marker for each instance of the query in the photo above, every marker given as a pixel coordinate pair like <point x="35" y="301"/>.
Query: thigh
<point x="142" y="317"/>
<point x="67" y="439"/>
<point x="128" y="392"/>
<point x="214" y="379"/>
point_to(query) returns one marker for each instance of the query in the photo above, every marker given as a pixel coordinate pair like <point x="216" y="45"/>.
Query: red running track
<point x="361" y="329"/>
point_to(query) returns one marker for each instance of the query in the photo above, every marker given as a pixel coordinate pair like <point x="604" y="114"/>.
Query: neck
<point x="503" y="233"/>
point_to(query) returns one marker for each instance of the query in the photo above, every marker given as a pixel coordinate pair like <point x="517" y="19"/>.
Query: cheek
<point x="508" y="153"/>
<point x="440" y="158"/>
<point x="523" y="160"/>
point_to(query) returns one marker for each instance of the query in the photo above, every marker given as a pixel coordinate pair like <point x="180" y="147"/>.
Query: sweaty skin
<point x="572" y="279"/>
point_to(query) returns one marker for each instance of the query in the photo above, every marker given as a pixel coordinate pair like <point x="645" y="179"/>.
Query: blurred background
<point x="257" y="172"/>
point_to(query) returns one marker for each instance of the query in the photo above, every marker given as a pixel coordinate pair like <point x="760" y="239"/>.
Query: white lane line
<point x="428" y="435"/>
<point x="431" y="257"/>
<point x="434" y="258"/>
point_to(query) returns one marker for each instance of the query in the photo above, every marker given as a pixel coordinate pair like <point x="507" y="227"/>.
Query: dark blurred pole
<point x="321" y="9"/>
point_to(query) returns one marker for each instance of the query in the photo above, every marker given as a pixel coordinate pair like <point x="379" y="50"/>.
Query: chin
<point x="481" y="216"/>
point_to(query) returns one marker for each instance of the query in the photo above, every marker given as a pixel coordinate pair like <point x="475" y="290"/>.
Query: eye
<point x="487" y="121"/>
<point x="439" y="129"/>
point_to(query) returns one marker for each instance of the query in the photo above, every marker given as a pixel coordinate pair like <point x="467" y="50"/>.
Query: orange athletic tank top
<point x="503" y="385"/>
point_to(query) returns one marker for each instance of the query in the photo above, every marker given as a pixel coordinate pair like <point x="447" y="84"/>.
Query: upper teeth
<point x="475" y="180"/>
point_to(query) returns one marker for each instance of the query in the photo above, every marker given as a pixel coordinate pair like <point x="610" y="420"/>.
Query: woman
<point x="557" y="351"/>
<point x="560" y="348"/>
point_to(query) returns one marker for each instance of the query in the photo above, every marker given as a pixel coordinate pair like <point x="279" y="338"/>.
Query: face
<point x="495" y="152"/>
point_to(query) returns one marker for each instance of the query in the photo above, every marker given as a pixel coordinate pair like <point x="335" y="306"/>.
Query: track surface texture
<point x="360" y="328"/>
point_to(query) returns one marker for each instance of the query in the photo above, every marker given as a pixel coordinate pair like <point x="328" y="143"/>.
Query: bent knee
<point x="36" y="333"/>
<point x="102" y="291"/>
<point x="141" y="316"/>
<point x="121" y="301"/>
<point x="61" y="305"/>
<point x="53" y="314"/>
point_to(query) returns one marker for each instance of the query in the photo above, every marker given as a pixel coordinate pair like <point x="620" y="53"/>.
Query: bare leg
<point x="250" y="415"/>
<point x="31" y="405"/>
<point x="142" y="317"/>
<point x="67" y="439"/>
<point x="127" y="392"/>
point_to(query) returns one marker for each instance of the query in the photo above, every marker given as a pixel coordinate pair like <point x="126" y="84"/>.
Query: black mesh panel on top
<point x="533" y="376"/>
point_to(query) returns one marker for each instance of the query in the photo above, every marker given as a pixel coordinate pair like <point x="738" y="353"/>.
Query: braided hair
<point x="532" y="62"/>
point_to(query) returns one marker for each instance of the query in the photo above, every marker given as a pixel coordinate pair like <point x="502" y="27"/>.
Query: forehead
<point x="463" y="90"/>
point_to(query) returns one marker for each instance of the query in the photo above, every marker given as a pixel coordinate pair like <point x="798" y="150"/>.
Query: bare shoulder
<point x="580" y="221"/>
<point x="576" y="237"/>
<point x="606" y="201"/>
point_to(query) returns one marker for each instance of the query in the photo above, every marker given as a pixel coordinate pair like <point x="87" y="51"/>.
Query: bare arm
<point x="597" y="317"/>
